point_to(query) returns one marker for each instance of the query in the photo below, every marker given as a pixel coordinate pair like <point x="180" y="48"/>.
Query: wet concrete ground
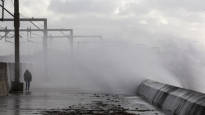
<point x="74" y="102"/>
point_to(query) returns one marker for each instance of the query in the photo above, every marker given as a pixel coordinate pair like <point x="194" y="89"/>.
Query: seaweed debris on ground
<point x="96" y="108"/>
<point x="109" y="105"/>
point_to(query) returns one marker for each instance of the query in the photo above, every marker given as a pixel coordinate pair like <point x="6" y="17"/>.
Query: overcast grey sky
<point x="141" y="21"/>
<point x="127" y="19"/>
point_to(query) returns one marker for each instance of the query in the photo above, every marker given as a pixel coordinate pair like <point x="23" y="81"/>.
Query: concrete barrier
<point x="172" y="100"/>
<point x="3" y="80"/>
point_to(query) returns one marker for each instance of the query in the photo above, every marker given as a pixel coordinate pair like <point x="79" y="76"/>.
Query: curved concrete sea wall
<point x="172" y="100"/>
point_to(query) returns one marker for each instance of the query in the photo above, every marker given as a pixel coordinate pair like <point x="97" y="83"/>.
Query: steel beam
<point x="27" y="19"/>
<point x="36" y="30"/>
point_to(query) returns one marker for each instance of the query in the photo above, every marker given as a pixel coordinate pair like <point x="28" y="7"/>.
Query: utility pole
<point x="16" y="85"/>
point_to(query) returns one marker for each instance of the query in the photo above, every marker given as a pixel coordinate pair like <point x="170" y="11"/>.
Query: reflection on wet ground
<point x="73" y="101"/>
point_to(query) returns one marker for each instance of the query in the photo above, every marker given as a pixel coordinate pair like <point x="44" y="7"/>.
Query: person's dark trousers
<point x="27" y="85"/>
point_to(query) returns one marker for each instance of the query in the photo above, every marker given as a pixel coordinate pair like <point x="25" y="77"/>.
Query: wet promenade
<point x="54" y="102"/>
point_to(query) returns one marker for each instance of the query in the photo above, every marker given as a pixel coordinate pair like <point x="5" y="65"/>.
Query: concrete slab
<point x="40" y="101"/>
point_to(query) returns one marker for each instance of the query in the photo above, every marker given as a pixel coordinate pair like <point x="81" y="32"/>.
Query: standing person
<point x="27" y="79"/>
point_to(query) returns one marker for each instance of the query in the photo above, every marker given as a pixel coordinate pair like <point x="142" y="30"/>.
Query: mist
<point x="113" y="65"/>
<point x="119" y="65"/>
<point x="157" y="40"/>
<point x="101" y="65"/>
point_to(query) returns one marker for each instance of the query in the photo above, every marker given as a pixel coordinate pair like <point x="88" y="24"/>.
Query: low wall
<point x="3" y="80"/>
<point x="172" y="100"/>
